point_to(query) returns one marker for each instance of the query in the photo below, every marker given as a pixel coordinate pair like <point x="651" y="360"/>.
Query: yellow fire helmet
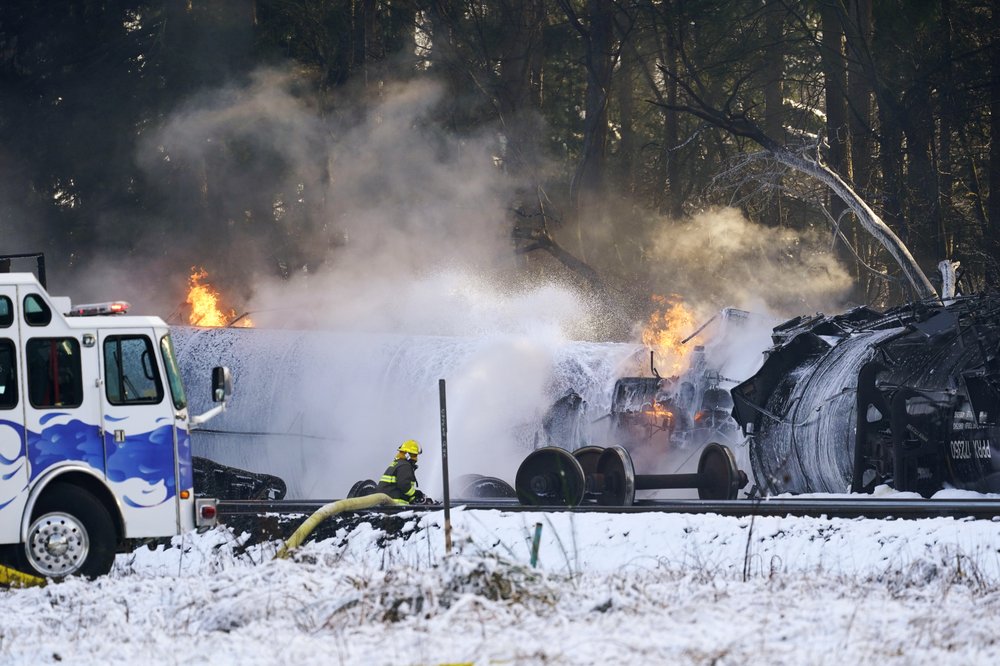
<point x="410" y="446"/>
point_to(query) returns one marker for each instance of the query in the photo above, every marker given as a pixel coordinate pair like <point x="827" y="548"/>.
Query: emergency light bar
<point x="94" y="309"/>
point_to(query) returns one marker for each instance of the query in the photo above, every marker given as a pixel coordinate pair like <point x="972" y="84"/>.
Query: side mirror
<point x="222" y="388"/>
<point x="222" y="384"/>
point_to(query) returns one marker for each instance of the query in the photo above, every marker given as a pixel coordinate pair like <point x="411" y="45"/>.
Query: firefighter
<point x="399" y="481"/>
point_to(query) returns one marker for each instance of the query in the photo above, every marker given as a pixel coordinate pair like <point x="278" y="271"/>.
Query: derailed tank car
<point x="909" y="397"/>
<point x="658" y="418"/>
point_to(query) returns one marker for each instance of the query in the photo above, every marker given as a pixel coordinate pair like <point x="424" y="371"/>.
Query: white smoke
<point x="719" y="258"/>
<point x="406" y="275"/>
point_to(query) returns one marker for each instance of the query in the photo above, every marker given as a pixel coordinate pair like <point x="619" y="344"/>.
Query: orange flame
<point x="204" y="301"/>
<point x="658" y="411"/>
<point x="668" y="325"/>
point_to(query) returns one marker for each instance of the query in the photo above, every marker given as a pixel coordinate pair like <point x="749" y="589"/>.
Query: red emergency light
<point x="96" y="309"/>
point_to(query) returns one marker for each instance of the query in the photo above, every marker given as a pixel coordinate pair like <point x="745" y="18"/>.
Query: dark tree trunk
<point x="890" y="151"/>
<point x="588" y="181"/>
<point x="835" y="88"/>
<point x="889" y="111"/>
<point x="993" y="232"/>
<point x="838" y="133"/>
<point x="361" y="21"/>
<point x="859" y="96"/>
<point x="859" y="128"/>
<point x="773" y="75"/>
<point x="671" y="134"/>
<point x="625" y="93"/>
<point x="946" y="114"/>
<point x="446" y="62"/>
<point x="859" y="124"/>
<point x="521" y="24"/>
<point x="922" y="183"/>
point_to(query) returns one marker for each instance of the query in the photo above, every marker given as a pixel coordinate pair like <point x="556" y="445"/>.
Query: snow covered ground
<point x="608" y="589"/>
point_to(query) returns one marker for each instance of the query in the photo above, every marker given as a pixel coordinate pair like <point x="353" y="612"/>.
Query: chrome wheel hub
<point x="57" y="544"/>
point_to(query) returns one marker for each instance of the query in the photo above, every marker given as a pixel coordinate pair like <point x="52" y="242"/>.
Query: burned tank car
<point x="909" y="397"/>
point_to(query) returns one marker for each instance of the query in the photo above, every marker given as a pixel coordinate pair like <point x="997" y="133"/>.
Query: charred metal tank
<point x="677" y="412"/>
<point x="909" y="397"/>
<point x="213" y="479"/>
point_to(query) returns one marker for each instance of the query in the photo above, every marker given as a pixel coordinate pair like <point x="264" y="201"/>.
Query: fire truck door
<point x="138" y="429"/>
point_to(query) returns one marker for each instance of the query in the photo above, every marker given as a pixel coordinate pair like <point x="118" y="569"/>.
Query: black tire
<point x="362" y="488"/>
<point x="486" y="487"/>
<point x="71" y="534"/>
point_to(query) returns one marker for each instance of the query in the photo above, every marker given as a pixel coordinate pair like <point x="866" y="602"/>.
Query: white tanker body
<point x="323" y="409"/>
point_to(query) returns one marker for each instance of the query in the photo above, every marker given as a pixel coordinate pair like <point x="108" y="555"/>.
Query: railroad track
<point x="836" y="507"/>
<point x="596" y="480"/>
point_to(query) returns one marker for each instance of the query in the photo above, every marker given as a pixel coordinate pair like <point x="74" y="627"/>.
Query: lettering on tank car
<point x="966" y="449"/>
<point x="964" y="420"/>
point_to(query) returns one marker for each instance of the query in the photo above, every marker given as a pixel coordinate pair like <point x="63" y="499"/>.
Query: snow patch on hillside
<point x="608" y="588"/>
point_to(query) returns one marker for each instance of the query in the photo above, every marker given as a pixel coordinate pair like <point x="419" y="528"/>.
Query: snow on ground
<point x="608" y="588"/>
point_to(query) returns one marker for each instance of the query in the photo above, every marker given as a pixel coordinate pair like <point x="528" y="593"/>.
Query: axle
<point x="553" y="476"/>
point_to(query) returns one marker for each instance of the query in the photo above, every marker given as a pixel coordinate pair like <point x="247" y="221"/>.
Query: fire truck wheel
<point x="71" y="534"/>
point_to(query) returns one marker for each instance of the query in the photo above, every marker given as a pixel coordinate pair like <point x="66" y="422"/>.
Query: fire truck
<point x="95" y="448"/>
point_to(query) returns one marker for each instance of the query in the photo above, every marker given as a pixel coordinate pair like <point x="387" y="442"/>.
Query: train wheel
<point x="362" y="488"/>
<point x="588" y="456"/>
<point x="723" y="478"/>
<point x="485" y="487"/>
<point x="550" y="476"/>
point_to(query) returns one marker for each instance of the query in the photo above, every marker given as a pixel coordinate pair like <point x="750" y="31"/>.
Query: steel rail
<point x="837" y="507"/>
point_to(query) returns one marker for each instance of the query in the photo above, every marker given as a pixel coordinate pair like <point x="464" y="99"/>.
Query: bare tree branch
<point x="738" y="124"/>
<point x="838" y="233"/>
<point x="539" y="238"/>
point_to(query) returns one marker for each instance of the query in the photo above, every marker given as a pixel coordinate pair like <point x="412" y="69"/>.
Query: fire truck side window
<point x="8" y="375"/>
<point x="36" y="312"/>
<point x="6" y="312"/>
<point x="54" y="376"/>
<point x="130" y="372"/>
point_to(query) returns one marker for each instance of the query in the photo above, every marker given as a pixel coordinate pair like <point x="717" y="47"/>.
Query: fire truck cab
<point x="95" y="451"/>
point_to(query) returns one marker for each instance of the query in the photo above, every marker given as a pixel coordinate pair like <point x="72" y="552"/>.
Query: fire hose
<point x="14" y="578"/>
<point x="327" y="510"/>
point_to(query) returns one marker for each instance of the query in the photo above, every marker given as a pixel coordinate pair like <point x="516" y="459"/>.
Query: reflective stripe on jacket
<point x="399" y="481"/>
